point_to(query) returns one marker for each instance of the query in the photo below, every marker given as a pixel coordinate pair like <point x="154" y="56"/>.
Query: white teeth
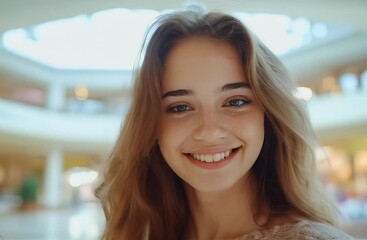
<point x="208" y="158"/>
<point x="216" y="157"/>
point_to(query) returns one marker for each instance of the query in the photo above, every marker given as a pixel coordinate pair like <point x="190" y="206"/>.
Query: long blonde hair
<point x="142" y="197"/>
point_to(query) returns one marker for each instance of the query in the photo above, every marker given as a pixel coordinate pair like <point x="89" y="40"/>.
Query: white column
<point x="364" y="81"/>
<point x="53" y="182"/>
<point x="56" y="97"/>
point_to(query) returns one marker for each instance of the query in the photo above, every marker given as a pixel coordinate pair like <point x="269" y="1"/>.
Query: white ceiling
<point x="20" y="13"/>
<point x="309" y="65"/>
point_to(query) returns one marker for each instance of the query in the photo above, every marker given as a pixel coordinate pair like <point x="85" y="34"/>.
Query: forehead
<point x="197" y="47"/>
<point x="201" y="59"/>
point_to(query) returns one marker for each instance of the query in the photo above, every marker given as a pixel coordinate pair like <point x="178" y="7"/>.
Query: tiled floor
<point x="81" y="222"/>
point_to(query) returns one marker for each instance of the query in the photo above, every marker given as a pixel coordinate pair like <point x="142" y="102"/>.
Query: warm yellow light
<point x="304" y="93"/>
<point x="329" y="84"/>
<point x="81" y="92"/>
<point x="341" y="165"/>
<point x="361" y="161"/>
<point x="80" y="178"/>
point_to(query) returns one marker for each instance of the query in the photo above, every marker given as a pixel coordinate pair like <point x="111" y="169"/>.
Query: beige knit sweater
<point x="303" y="230"/>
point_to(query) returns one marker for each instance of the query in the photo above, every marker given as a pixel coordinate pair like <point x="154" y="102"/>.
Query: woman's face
<point x="211" y="126"/>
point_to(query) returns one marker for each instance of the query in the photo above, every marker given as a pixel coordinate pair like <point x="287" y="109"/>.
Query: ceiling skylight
<point x="111" y="39"/>
<point x="108" y="40"/>
<point x="283" y="34"/>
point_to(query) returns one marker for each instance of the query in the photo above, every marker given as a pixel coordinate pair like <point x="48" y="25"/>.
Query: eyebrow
<point x="231" y="86"/>
<point x="184" y="92"/>
<point x="175" y="93"/>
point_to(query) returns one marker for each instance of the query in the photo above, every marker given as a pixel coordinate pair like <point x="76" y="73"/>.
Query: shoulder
<point x="303" y="230"/>
<point x="315" y="230"/>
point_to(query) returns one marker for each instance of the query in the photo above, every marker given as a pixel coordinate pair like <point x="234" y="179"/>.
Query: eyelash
<point x="237" y="99"/>
<point x="176" y="108"/>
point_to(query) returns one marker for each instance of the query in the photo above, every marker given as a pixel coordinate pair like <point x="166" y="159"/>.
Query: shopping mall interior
<point x="66" y="71"/>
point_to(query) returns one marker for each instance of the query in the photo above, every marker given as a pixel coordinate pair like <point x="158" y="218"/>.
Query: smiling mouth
<point x="212" y="157"/>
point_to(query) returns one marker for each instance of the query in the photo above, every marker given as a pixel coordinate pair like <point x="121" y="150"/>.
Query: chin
<point x="213" y="186"/>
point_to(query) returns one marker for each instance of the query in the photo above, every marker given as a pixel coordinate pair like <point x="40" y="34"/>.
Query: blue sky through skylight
<point x="111" y="39"/>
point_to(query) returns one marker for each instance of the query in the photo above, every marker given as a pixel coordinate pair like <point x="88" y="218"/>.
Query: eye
<point x="237" y="102"/>
<point x="180" y="108"/>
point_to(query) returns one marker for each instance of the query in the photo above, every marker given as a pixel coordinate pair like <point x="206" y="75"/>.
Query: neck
<point x="225" y="214"/>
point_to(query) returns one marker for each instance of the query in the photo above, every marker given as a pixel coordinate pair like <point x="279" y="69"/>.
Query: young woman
<point x="215" y="146"/>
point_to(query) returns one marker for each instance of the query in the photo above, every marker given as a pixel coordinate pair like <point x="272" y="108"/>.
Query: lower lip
<point x="213" y="165"/>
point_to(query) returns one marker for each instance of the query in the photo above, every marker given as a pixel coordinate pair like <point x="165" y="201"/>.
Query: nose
<point x="209" y="127"/>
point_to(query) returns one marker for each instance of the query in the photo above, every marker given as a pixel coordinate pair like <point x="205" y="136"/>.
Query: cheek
<point x="171" y="135"/>
<point x="251" y="129"/>
<point x="258" y="133"/>
<point x="166" y="131"/>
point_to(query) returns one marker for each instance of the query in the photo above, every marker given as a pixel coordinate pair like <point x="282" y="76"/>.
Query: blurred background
<point x="65" y="81"/>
